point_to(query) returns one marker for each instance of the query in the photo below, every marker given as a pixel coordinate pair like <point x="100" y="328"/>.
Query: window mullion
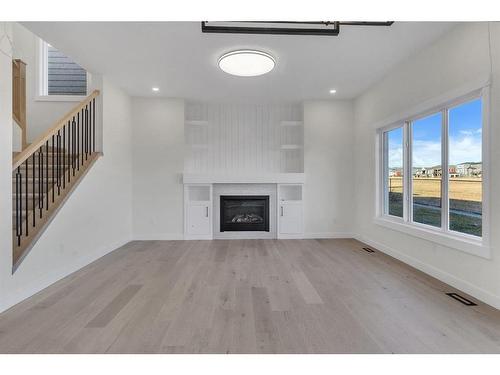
<point x="445" y="203"/>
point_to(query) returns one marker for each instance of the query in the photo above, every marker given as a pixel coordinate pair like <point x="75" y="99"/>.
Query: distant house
<point x="435" y="171"/>
<point x="470" y="169"/>
<point x="419" y="172"/>
<point x="452" y="171"/>
<point x="396" y="172"/>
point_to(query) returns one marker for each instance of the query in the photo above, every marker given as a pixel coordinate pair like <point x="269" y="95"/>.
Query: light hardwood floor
<point x="248" y="296"/>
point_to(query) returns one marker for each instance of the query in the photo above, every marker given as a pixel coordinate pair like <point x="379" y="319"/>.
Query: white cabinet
<point x="198" y="211"/>
<point x="291" y="217"/>
<point x="198" y="218"/>
<point x="290" y="211"/>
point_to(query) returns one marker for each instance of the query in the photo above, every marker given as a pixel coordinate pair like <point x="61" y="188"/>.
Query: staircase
<point x="46" y="172"/>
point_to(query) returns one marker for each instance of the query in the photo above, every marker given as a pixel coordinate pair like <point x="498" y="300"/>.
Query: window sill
<point x="59" y="98"/>
<point x="457" y="242"/>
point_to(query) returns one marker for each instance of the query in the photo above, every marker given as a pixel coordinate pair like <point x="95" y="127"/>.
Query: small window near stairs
<point x="60" y="78"/>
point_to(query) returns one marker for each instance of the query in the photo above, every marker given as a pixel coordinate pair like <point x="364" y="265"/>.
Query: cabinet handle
<point x="206" y="214"/>
<point x="281" y="210"/>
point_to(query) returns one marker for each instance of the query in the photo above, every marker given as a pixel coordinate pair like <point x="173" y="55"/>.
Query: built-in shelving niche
<point x="244" y="138"/>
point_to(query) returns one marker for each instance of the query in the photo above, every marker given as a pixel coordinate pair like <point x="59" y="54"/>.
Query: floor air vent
<point x="368" y="250"/>
<point x="461" y="299"/>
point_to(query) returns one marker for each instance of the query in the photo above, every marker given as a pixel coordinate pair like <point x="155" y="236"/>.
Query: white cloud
<point x="465" y="149"/>
<point x="426" y="153"/>
<point x="396" y="157"/>
<point x="461" y="149"/>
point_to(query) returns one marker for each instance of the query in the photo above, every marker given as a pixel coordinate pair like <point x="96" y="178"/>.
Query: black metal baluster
<point x="63" y="175"/>
<point x="66" y="162"/>
<point x="53" y="170"/>
<point x="18" y="234"/>
<point x="90" y="128"/>
<point x="20" y="199"/>
<point x="86" y="133"/>
<point x="26" y="194"/>
<point x="93" y="124"/>
<point x="47" y="175"/>
<point x="58" y="164"/>
<point x="40" y="181"/>
<point x="83" y="136"/>
<point x="33" y="188"/>
<point x="78" y="141"/>
<point x="73" y="155"/>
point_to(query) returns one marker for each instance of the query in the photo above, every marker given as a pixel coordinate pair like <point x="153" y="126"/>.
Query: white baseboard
<point x="291" y="236"/>
<point x="37" y="285"/>
<point x="196" y="237"/>
<point x="328" y="235"/>
<point x="439" y="274"/>
<point x="159" y="237"/>
<point x="238" y="235"/>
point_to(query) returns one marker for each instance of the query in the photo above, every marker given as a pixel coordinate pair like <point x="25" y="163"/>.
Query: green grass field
<point x="427" y="211"/>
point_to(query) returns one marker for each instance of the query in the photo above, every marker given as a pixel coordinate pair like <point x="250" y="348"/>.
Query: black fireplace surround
<point x="244" y="213"/>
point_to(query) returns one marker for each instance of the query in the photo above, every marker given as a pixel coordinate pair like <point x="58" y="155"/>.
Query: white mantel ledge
<point x="274" y="178"/>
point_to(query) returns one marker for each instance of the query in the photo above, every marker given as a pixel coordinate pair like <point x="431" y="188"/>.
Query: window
<point x="394" y="172"/>
<point x="426" y="170"/>
<point x="59" y="76"/>
<point x="433" y="170"/>
<point x="466" y="168"/>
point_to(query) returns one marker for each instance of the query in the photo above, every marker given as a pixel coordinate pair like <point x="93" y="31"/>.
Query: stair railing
<point x="43" y="170"/>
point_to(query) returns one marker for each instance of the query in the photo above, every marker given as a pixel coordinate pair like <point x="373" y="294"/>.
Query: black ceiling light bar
<point x="331" y="28"/>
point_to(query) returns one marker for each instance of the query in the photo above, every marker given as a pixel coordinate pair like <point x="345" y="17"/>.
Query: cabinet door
<point x="290" y="217"/>
<point x="198" y="219"/>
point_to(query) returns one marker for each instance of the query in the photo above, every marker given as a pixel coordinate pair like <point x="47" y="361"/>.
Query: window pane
<point x="465" y="186"/>
<point x="426" y="170"/>
<point x="394" y="168"/>
<point x="64" y="77"/>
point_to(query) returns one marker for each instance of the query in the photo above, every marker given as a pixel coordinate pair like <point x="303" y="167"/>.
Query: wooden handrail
<point x="26" y="153"/>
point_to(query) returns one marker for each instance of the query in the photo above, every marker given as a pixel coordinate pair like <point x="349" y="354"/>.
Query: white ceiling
<point x="182" y="61"/>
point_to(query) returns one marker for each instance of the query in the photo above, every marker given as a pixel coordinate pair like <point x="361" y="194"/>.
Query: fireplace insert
<point x="244" y="213"/>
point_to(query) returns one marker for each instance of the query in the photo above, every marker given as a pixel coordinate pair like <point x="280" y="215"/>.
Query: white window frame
<point x="42" y="79"/>
<point x="478" y="246"/>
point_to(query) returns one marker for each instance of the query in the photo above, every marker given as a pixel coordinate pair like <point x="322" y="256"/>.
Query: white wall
<point x="158" y="161"/>
<point x="5" y="152"/>
<point x="96" y="219"/>
<point x="328" y="164"/>
<point x="458" y="58"/>
<point x="40" y="115"/>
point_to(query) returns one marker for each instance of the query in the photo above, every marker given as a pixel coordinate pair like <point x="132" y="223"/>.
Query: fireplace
<point x="244" y="213"/>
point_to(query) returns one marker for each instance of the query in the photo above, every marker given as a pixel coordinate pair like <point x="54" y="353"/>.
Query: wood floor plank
<point x="305" y="288"/>
<point x="248" y="296"/>
<point x="114" y="307"/>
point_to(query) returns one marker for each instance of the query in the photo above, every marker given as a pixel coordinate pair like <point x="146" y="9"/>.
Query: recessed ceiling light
<point x="155" y="89"/>
<point x="247" y="63"/>
<point x="333" y="91"/>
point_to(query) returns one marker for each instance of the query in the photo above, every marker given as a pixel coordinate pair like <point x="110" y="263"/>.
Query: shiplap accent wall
<point x="232" y="138"/>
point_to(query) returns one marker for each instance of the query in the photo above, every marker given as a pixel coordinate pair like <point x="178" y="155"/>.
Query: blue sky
<point x="465" y="125"/>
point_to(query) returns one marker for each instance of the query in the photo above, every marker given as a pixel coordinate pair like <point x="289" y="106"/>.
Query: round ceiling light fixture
<point x="247" y="63"/>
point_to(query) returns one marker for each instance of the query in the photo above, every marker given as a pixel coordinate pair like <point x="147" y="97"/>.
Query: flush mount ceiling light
<point x="333" y="91"/>
<point x="246" y="63"/>
<point x="155" y="89"/>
